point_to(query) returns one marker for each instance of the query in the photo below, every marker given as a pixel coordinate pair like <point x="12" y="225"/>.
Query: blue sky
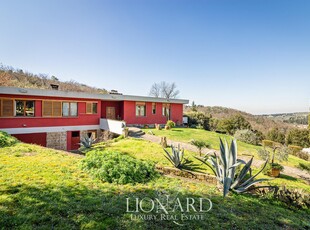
<point x="249" y="55"/>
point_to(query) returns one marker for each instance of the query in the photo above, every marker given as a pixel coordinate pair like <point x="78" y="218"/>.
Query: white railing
<point x="112" y="125"/>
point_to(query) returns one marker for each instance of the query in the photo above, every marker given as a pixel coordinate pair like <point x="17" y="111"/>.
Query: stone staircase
<point x="135" y="132"/>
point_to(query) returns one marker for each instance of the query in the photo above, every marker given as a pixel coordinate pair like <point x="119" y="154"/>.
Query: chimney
<point x="54" y="87"/>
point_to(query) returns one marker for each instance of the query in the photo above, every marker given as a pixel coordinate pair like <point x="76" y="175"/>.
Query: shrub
<point x="232" y="124"/>
<point x="247" y="136"/>
<point x="170" y="124"/>
<point x="114" y="167"/>
<point x="268" y="143"/>
<point x="276" y="135"/>
<point x="298" y="137"/>
<point x="198" y="119"/>
<point x="6" y="140"/>
<point x="200" y="145"/>
<point x="297" y="151"/>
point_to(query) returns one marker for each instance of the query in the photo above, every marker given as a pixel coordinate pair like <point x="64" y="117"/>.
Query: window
<point x="75" y="134"/>
<point x="24" y="108"/>
<point x="166" y="110"/>
<point x="153" y="108"/>
<point x="92" y="134"/>
<point x="7" y="107"/>
<point x="91" y="108"/>
<point x="140" y="109"/>
<point x="51" y="109"/>
<point x="69" y="109"/>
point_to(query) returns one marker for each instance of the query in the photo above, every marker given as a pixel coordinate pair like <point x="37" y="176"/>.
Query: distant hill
<point x="18" y="78"/>
<point x="300" y="118"/>
<point x="262" y="123"/>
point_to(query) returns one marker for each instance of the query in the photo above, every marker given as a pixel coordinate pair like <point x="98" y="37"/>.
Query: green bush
<point x="247" y="136"/>
<point x="232" y="124"/>
<point x="170" y="124"/>
<point x="198" y="119"/>
<point x="270" y="144"/>
<point x="276" y="135"/>
<point x="298" y="137"/>
<point x="6" y="140"/>
<point x="114" y="167"/>
<point x="297" y="151"/>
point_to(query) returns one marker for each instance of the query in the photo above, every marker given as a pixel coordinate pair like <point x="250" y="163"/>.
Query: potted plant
<point x="278" y="152"/>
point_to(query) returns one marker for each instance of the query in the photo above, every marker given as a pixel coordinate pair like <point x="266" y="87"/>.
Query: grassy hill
<point x="18" y="78"/>
<point x="41" y="188"/>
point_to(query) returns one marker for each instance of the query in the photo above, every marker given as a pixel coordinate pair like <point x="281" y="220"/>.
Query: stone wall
<point x="56" y="140"/>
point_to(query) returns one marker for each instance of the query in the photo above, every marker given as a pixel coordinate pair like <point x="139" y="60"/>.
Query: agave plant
<point x="87" y="141"/>
<point x="176" y="157"/>
<point x="224" y="165"/>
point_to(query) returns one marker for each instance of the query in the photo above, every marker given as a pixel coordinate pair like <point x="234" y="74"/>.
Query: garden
<point x="45" y="188"/>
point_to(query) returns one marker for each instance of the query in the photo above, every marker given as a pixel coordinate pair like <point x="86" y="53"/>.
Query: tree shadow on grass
<point x="68" y="207"/>
<point x="287" y="177"/>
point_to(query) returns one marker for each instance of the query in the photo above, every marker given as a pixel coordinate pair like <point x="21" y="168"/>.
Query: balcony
<point x="113" y="126"/>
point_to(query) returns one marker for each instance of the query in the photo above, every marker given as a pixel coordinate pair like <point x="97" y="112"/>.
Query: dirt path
<point x="295" y="172"/>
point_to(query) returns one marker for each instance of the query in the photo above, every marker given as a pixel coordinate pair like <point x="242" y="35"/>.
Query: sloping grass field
<point x="41" y="188"/>
<point x="187" y="134"/>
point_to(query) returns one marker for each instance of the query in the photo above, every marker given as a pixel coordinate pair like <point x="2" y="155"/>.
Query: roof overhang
<point x="80" y="95"/>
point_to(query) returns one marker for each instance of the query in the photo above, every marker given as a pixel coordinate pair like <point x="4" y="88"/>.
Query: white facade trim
<point x="50" y="129"/>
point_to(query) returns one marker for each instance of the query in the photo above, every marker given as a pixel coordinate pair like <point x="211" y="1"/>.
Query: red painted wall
<point x="118" y="105"/>
<point x="33" y="138"/>
<point x="39" y="121"/>
<point x="131" y="118"/>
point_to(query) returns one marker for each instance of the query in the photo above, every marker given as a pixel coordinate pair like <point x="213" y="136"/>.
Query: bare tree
<point x="155" y="90"/>
<point x="164" y="89"/>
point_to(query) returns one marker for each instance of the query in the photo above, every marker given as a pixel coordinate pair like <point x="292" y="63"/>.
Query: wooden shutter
<point x="88" y="107"/>
<point x="7" y="108"/>
<point x="57" y="108"/>
<point x="47" y="108"/>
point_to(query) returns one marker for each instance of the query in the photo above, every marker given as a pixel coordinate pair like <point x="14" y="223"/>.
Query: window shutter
<point x="7" y="108"/>
<point x="88" y="107"/>
<point x="56" y="108"/>
<point x="47" y="109"/>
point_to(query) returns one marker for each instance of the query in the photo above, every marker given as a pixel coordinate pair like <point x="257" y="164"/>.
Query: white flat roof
<point x="70" y="94"/>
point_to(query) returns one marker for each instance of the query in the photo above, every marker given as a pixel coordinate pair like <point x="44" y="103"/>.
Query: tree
<point x="200" y="145"/>
<point x="232" y="124"/>
<point x="298" y="137"/>
<point x="276" y="135"/>
<point x="194" y="107"/>
<point x="164" y="89"/>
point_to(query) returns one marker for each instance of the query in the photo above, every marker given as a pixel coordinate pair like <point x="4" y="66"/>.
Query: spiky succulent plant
<point x="176" y="157"/>
<point x="224" y="165"/>
<point x="87" y="141"/>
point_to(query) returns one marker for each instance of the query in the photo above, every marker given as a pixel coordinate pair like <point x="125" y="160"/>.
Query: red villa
<point x="58" y="119"/>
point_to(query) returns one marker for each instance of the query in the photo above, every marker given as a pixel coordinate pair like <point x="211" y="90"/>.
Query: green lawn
<point x="187" y="134"/>
<point x="147" y="150"/>
<point x="42" y="188"/>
